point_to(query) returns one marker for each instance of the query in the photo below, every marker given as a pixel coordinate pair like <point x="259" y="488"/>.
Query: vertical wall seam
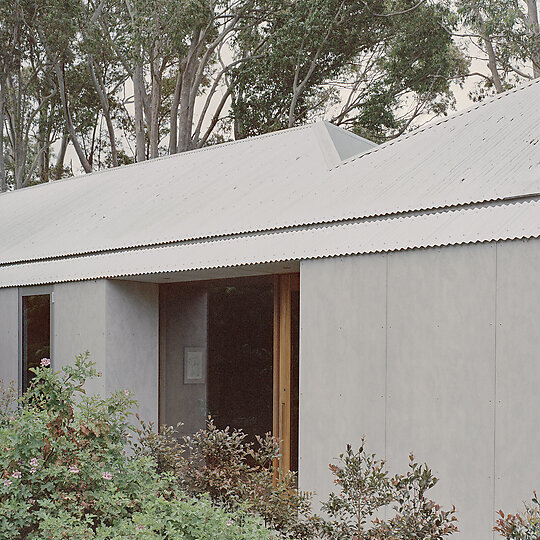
<point x="495" y="324"/>
<point x="386" y="362"/>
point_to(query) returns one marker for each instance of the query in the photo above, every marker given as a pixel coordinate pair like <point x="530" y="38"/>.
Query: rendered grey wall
<point x="9" y="309"/>
<point x="433" y="351"/>
<point x="132" y="343"/>
<point x="79" y="326"/>
<point x="117" y="322"/>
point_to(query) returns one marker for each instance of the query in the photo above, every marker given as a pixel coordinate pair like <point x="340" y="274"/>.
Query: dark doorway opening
<point x="229" y="349"/>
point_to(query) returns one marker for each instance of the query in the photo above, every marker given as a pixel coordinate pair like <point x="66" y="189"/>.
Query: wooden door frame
<point x="284" y="285"/>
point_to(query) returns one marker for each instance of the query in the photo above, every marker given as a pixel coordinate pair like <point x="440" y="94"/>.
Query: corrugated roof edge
<point x="438" y="122"/>
<point x="428" y="245"/>
<point x="162" y="158"/>
<point x="519" y="199"/>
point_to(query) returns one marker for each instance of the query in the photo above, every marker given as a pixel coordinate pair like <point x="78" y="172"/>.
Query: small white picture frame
<point x="194" y="365"/>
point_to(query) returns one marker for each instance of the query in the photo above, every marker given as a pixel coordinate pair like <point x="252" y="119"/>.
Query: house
<point x="311" y="283"/>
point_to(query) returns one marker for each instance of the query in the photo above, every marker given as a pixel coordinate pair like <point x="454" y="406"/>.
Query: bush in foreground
<point x="64" y="472"/>
<point x="233" y="473"/>
<point x="522" y="526"/>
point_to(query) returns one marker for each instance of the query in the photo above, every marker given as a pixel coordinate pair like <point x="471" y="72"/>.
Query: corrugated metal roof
<point x="224" y="189"/>
<point x="488" y="152"/>
<point x="210" y="208"/>
<point x="464" y="225"/>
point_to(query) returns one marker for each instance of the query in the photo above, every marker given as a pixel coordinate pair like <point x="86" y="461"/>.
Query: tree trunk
<point x="173" y="134"/>
<point x="100" y="90"/>
<point x="154" y="109"/>
<point x="138" y="93"/>
<point x="3" y="179"/>
<point x="185" y="123"/>
<point x="59" y="167"/>
<point x="69" y="122"/>
<point x="492" y="59"/>
<point x="534" y="28"/>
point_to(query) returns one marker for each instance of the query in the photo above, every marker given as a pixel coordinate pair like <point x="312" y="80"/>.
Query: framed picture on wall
<point x="194" y="365"/>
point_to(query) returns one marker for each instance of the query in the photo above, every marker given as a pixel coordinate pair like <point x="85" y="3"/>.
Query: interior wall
<point x="9" y="310"/>
<point x="433" y="351"/>
<point x="183" y="315"/>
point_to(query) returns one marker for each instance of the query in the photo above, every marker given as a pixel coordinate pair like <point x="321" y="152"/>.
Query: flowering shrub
<point x="64" y="472"/>
<point x="366" y="490"/>
<point x="234" y="474"/>
<point x="524" y="526"/>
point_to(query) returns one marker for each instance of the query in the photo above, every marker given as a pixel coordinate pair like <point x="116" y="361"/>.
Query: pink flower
<point x="229" y="523"/>
<point x="7" y="482"/>
<point x="34" y="462"/>
<point x="140" y="527"/>
<point x="126" y="392"/>
<point x="16" y="474"/>
<point x="45" y="362"/>
<point x="33" y="470"/>
<point x="73" y="469"/>
<point x="107" y="476"/>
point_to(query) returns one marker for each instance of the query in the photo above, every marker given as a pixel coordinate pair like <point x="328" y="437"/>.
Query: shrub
<point x="233" y="473"/>
<point x="64" y="472"/>
<point x="524" y="526"/>
<point x="367" y="491"/>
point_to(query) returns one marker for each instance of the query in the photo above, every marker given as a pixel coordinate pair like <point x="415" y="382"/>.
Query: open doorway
<point x="229" y="349"/>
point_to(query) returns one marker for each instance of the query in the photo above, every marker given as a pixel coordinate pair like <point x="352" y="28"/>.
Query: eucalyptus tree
<point x="371" y="65"/>
<point x="506" y="35"/>
<point x="28" y="98"/>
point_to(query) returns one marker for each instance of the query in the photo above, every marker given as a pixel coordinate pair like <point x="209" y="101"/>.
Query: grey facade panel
<point x="117" y="323"/>
<point x="448" y="337"/>
<point x="342" y="362"/>
<point x="79" y="326"/>
<point x="132" y="343"/>
<point x="183" y="313"/>
<point x="517" y="430"/>
<point x="9" y="310"/>
<point x="441" y="374"/>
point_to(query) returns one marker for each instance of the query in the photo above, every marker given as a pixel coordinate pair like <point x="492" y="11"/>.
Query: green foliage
<point x="367" y="491"/>
<point x="523" y="526"/>
<point x="510" y="30"/>
<point x="234" y="474"/>
<point x="64" y="472"/>
<point x="379" y="63"/>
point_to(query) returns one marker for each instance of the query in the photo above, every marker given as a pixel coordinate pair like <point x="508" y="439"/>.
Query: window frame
<point x="33" y="291"/>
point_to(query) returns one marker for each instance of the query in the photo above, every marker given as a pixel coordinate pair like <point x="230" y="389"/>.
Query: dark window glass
<point x="240" y="358"/>
<point x="36" y="334"/>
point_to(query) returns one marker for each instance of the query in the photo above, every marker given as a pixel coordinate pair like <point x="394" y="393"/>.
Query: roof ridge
<point x="440" y="121"/>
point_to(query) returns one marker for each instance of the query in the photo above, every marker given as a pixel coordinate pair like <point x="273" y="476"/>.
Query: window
<point x="35" y="334"/>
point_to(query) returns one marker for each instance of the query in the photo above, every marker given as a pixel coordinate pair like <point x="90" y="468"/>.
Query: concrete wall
<point x="132" y="343"/>
<point x="78" y="325"/>
<point x="434" y="351"/>
<point x="9" y="310"/>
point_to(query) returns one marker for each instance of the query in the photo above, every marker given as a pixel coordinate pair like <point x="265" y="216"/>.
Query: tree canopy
<point x="117" y="81"/>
